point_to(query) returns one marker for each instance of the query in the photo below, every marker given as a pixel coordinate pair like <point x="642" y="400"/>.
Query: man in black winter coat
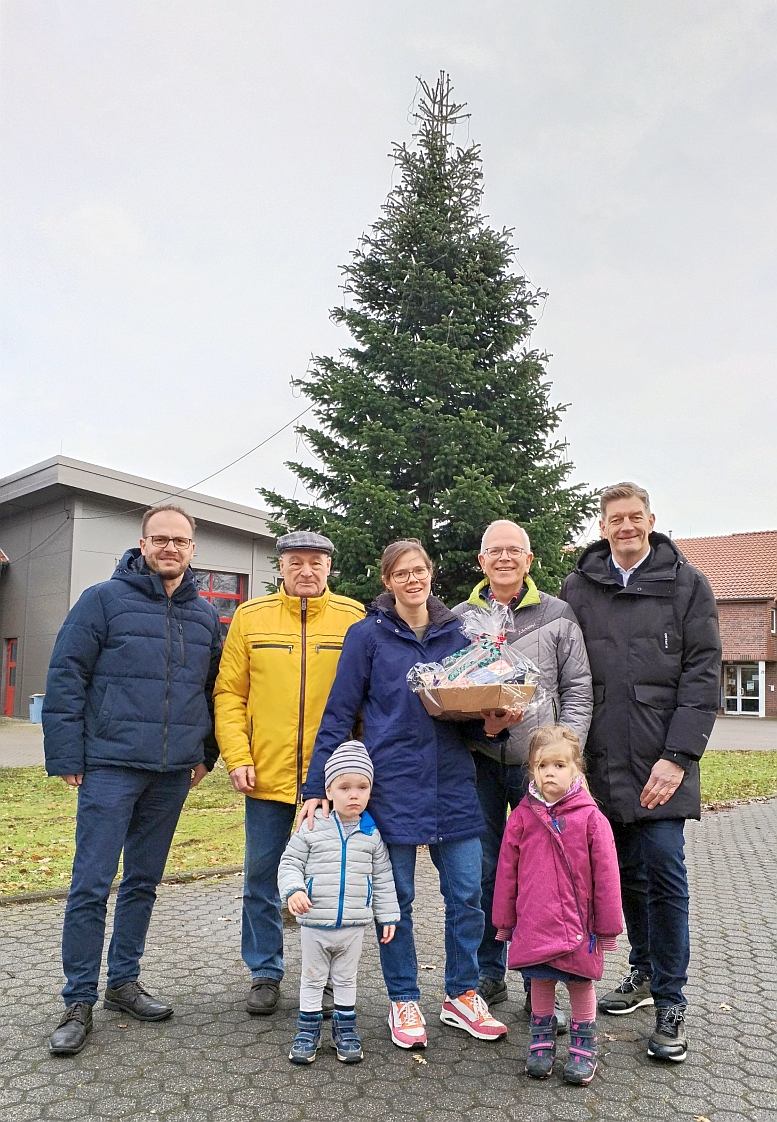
<point x="651" y="629"/>
<point x="128" y="723"/>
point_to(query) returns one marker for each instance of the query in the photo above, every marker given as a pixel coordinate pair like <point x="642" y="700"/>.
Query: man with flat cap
<point x="277" y="667"/>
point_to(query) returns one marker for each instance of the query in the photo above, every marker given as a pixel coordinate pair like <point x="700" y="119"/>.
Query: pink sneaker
<point x="470" y="1012"/>
<point x="407" y="1025"/>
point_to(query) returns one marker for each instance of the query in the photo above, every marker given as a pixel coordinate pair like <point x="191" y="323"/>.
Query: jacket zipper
<point x="341" y="897"/>
<point x="301" y="715"/>
<point x="554" y="829"/>
<point x="180" y="643"/>
<point x="328" y="647"/>
<point x="273" y="646"/>
<point x="168" y="654"/>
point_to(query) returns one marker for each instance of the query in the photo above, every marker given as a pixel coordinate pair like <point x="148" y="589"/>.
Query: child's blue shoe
<point x="581" y="1065"/>
<point x="542" y="1046"/>
<point x="345" y="1037"/>
<point x="308" y="1037"/>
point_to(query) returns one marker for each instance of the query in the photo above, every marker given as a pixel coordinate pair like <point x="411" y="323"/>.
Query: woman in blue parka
<point x="424" y="791"/>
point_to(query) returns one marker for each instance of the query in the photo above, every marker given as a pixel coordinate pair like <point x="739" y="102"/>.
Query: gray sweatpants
<point x="329" y="952"/>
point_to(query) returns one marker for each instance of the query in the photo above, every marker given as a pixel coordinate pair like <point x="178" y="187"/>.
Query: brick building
<point x="742" y="569"/>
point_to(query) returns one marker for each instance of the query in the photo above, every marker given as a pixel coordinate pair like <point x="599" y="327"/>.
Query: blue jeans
<point x="118" y="808"/>
<point x="654" y="887"/>
<point x="499" y="786"/>
<point x="458" y="863"/>
<point x="268" y="827"/>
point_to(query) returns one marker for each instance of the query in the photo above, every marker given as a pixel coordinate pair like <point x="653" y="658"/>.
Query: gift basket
<point x="489" y="674"/>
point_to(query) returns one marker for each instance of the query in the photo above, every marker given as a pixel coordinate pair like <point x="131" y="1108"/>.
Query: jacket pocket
<point x="368" y="901"/>
<point x="309" y="889"/>
<point x="657" y="697"/>
<point x="106" y="709"/>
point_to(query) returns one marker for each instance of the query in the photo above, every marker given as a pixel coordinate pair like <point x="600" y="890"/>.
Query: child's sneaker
<point x="542" y="1046"/>
<point x="307" y="1039"/>
<point x="345" y="1038"/>
<point x="581" y="1065"/>
<point x="407" y="1025"/>
<point x="470" y="1012"/>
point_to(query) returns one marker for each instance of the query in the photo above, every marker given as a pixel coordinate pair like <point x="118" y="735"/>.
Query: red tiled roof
<point x="736" y="565"/>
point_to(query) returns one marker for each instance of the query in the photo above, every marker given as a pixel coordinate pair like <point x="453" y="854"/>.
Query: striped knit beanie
<point x="350" y="758"/>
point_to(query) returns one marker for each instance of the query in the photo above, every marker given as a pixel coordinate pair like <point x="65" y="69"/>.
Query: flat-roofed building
<point x="64" y="524"/>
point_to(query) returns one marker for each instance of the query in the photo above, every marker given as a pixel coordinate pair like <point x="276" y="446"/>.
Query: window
<point x="773" y="621"/>
<point x="224" y="590"/>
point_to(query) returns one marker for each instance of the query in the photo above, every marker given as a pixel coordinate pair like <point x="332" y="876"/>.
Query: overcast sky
<point x="182" y="179"/>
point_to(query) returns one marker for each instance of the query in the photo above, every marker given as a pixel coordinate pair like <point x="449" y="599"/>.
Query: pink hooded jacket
<point x="557" y="884"/>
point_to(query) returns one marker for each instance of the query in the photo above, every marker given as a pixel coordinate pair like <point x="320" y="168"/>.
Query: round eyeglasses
<point x="402" y="576"/>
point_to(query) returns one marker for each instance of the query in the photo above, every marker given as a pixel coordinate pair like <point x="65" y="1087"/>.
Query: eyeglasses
<point x="402" y="576"/>
<point x="159" y="541"/>
<point x="494" y="551"/>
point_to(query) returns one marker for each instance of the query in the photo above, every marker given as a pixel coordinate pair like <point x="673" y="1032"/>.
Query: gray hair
<point x="503" y="522"/>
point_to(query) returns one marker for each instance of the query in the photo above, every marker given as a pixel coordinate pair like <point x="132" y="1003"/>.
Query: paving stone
<point x="212" y="1062"/>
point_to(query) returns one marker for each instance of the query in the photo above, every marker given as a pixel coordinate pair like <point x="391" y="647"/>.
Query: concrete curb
<point x="173" y="878"/>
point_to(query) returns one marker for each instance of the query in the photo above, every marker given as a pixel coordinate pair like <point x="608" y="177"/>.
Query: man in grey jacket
<point x="545" y="630"/>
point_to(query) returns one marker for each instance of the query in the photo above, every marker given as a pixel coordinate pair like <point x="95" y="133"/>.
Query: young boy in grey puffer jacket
<point x="336" y="879"/>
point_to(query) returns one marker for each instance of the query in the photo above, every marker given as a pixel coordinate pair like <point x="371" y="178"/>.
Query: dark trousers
<point x="654" y="886"/>
<point x="119" y="808"/>
<point x="500" y="786"/>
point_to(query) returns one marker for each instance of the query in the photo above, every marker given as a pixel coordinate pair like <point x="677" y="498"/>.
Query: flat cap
<point x="305" y="539"/>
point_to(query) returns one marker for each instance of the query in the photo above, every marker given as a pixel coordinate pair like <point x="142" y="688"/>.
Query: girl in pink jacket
<point x="557" y="899"/>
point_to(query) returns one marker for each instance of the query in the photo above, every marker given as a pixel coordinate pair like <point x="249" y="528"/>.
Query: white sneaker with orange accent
<point x="470" y="1012"/>
<point x="407" y="1025"/>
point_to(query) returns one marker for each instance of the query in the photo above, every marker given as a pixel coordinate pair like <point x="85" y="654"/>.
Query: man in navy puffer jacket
<point x="128" y="722"/>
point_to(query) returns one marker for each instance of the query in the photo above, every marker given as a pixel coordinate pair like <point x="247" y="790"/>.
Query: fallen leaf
<point x="724" y="1006"/>
<point x="421" y="1060"/>
<point x="701" y="1118"/>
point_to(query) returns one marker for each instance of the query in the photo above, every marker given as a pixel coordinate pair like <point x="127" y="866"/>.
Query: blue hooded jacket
<point x="131" y="676"/>
<point x="424" y="790"/>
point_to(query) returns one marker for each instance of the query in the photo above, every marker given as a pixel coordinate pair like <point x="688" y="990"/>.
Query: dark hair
<point x="395" y="550"/>
<point x="547" y="735"/>
<point x="623" y="491"/>
<point x="174" y="509"/>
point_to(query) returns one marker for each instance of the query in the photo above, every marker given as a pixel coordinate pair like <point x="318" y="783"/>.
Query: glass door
<point x="741" y="688"/>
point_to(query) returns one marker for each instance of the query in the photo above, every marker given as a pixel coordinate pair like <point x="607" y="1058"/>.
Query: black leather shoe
<point x="263" y="997"/>
<point x="492" y="990"/>
<point x="133" y="999"/>
<point x="70" y="1034"/>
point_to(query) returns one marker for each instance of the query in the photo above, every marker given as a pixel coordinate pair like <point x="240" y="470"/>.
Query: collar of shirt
<point x="516" y="600"/>
<point x="627" y="574"/>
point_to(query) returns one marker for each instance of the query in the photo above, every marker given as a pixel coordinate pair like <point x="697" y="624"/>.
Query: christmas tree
<point x="436" y="419"/>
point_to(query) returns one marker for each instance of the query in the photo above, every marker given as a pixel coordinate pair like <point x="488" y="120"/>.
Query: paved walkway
<point x="213" y="1063"/>
<point x="21" y="743"/>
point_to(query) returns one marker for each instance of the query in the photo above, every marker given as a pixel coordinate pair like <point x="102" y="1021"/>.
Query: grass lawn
<point x="37" y="821"/>
<point x="37" y="816"/>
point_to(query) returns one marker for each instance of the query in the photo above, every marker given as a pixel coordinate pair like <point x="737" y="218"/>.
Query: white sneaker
<point x="407" y="1025"/>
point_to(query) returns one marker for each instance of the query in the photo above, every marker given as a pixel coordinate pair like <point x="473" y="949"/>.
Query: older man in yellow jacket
<point x="277" y="667"/>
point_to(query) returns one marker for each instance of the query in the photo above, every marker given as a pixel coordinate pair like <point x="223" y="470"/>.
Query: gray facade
<point x="64" y="525"/>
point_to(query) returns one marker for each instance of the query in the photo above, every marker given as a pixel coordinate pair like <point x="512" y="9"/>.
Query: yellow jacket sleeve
<point x="230" y="698"/>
